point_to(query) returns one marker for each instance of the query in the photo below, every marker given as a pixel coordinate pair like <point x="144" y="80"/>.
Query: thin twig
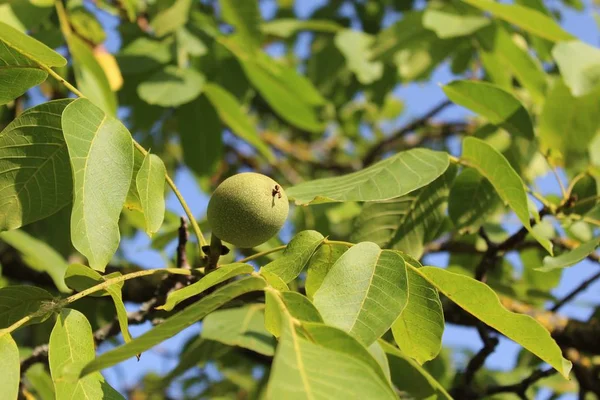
<point x="374" y="152"/>
<point x="520" y="388"/>
<point x="583" y="286"/>
<point x="182" y="261"/>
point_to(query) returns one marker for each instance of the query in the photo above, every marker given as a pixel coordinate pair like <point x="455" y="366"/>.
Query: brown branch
<point x="520" y="388"/>
<point x="376" y="150"/>
<point x="183" y="237"/>
<point x="146" y="312"/>
<point x="465" y="390"/>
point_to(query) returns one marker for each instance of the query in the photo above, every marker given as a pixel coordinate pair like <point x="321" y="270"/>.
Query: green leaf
<point x="471" y="199"/>
<point x="101" y="152"/>
<point x="567" y="123"/>
<point x="305" y="370"/>
<point x="172" y="18"/>
<point x="133" y="201"/>
<point x="479" y="300"/>
<point x="295" y="304"/>
<point x="500" y="52"/>
<point x="17" y="42"/>
<point x="418" y="330"/>
<point x="274" y="280"/>
<point x="175" y="323"/>
<point x="355" y="46"/>
<point x="35" y="175"/>
<point x="286" y="27"/>
<point x="243" y="327"/>
<point x="584" y="190"/>
<point x="71" y="346"/>
<point x="410" y="377"/>
<point x="526" y="18"/>
<point x="80" y="277"/>
<point x="409" y="222"/>
<point x="143" y="55"/>
<point x="364" y="292"/>
<point x="245" y="17"/>
<point x="217" y="276"/>
<point x="319" y="266"/>
<point x="336" y="339"/>
<point x="171" y="87"/>
<point x="291" y="95"/>
<point x="393" y="177"/>
<point x="39" y="256"/>
<point x="498" y="106"/>
<point x="90" y="76"/>
<point x="570" y="257"/>
<point x="86" y="25"/>
<point x="11" y="368"/>
<point x="295" y="256"/>
<point x="449" y="25"/>
<point x="505" y="180"/>
<point x="579" y="65"/>
<point x="40" y="380"/>
<point x="150" y="183"/>
<point x="20" y="301"/>
<point x="232" y="115"/>
<point x="200" y="133"/>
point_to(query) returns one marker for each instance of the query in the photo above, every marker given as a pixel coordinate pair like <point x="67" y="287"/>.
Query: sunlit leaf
<point x="393" y="177"/>
<point x="498" y="106"/>
<point x="39" y="256"/>
<point x="364" y="292"/>
<point x="35" y="175"/>
<point x="526" y="18"/>
<point x="215" y="277"/>
<point x="150" y="182"/>
<point x="90" y="77"/>
<point x="418" y="330"/>
<point x="286" y="27"/>
<point x="175" y="323"/>
<point x="571" y="257"/>
<point x="171" y="86"/>
<point x="478" y="299"/>
<point x="567" y="123"/>
<point x="21" y="58"/>
<point x="171" y="18"/>
<point x="320" y="264"/>
<point x="71" y="346"/>
<point x="447" y="25"/>
<point x="295" y="256"/>
<point x="81" y="277"/>
<point x="244" y="16"/>
<point x="101" y="153"/>
<point x="353" y="45"/>
<point x="504" y="179"/>
<point x="243" y="326"/>
<point x="500" y="52"/>
<point x="300" y="367"/>
<point x="11" y="367"/>
<point x="579" y="65"/>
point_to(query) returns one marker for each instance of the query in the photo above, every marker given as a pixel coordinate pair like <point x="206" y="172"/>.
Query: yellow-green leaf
<point x="480" y="300"/>
<point x="101" y="153"/>
<point x="150" y="183"/>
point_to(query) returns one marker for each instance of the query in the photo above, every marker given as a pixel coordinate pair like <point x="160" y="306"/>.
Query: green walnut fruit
<point x="247" y="209"/>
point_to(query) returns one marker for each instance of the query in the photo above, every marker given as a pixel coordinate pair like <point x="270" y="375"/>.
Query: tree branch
<point x="372" y="154"/>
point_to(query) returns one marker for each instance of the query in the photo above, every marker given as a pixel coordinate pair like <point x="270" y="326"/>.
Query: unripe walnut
<point x="247" y="209"/>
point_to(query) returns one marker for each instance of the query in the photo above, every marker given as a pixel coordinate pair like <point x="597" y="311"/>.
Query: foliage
<point x="339" y="304"/>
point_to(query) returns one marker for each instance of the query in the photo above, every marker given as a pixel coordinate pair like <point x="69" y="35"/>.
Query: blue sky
<point x="418" y="98"/>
